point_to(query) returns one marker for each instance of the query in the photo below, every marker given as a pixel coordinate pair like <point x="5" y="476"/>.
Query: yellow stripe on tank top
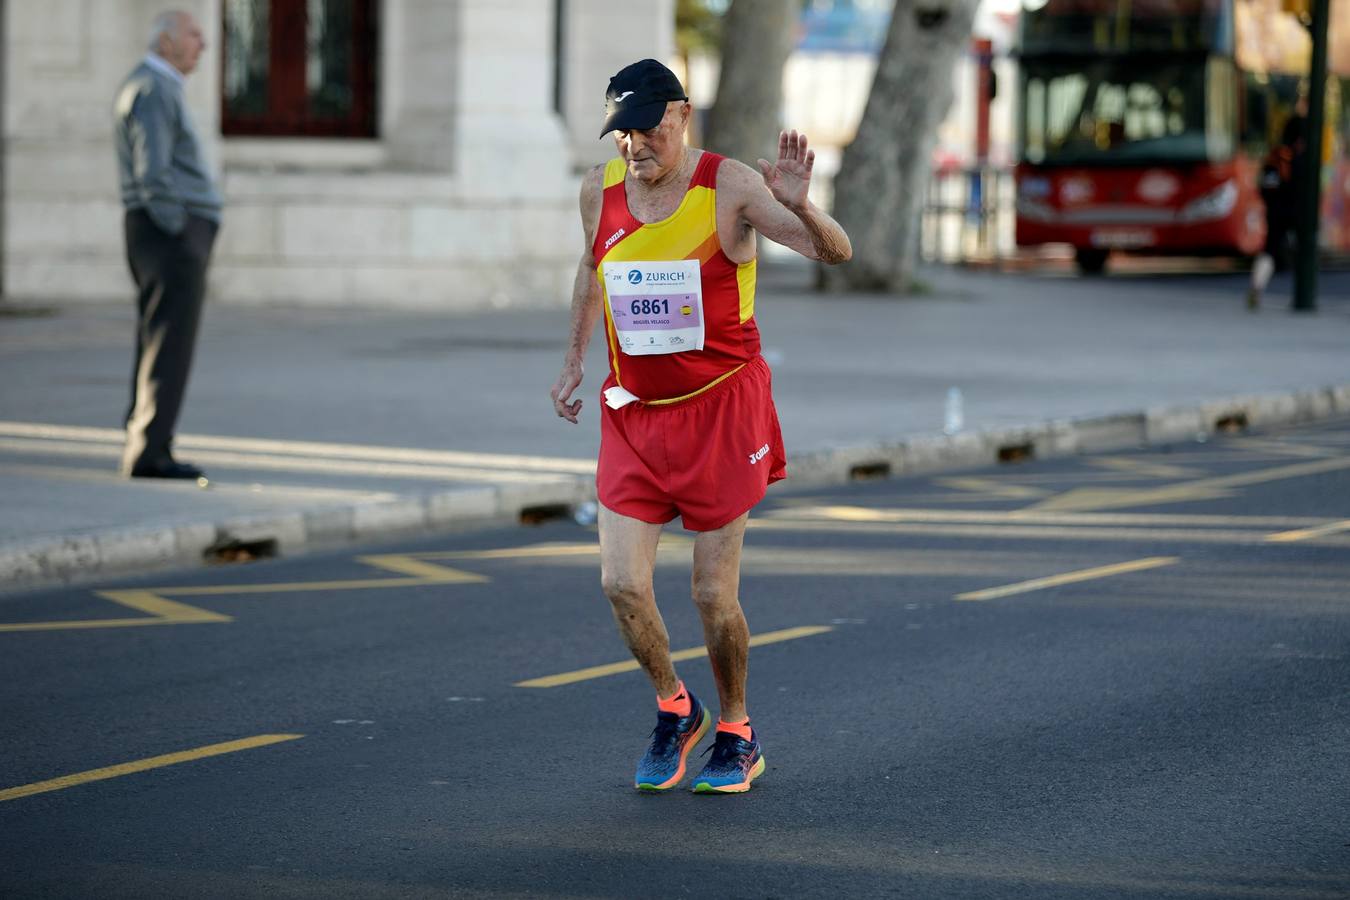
<point x="745" y="285"/>
<point x="707" y="387"/>
<point x="674" y="238"/>
<point x="614" y="174"/>
<point x="610" y="331"/>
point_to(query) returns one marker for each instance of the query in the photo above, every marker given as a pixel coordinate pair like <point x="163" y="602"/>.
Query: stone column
<point x="508" y="140"/>
<point x="419" y="46"/>
<point x="602" y="38"/>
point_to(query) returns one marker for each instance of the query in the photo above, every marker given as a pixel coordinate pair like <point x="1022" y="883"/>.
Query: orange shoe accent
<point x="678" y="704"/>
<point x="740" y="729"/>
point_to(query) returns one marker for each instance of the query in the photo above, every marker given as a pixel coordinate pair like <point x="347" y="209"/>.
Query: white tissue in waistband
<point x="617" y="398"/>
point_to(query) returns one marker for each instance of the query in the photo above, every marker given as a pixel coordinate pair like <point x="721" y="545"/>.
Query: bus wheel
<point x="1091" y="260"/>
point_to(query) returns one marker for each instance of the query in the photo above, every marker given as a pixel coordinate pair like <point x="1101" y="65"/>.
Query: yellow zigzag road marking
<point x="1015" y="531"/>
<point x="1036" y="584"/>
<point x="154" y="762"/>
<point x="162" y="611"/>
<point x="1134" y="466"/>
<point x="159" y="611"/>
<point x="1202" y="489"/>
<point x="1305" y="534"/>
<point x="993" y="488"/>
<point x="541" y="551"/>
<point x="1284" y="448"/>
<point x="631" y="665"/>
<point x="1028" y="517"/>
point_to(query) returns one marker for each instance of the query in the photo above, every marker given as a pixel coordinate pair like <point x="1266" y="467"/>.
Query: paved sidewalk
<point x="319" y="426"/>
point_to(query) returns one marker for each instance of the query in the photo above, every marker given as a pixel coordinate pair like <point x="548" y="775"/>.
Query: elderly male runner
<point x="688" y="425"/>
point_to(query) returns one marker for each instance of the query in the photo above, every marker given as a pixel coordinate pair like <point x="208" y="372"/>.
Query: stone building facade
<point x="463" y="196"/>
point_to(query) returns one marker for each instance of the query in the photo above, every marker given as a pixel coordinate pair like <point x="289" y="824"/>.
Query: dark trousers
<point x="170" y="275"/>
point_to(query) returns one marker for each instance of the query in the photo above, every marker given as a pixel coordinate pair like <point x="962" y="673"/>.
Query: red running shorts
<point x="708" y="459"/>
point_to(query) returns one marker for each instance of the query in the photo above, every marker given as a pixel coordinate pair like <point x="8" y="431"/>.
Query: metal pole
<point x="1310" y="189"/>
<point x="4" y="144"/>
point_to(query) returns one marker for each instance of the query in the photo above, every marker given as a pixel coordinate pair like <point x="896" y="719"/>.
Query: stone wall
<point x="467" y="199"/>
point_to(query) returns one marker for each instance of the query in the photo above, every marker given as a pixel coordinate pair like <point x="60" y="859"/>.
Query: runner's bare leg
<point x="716" y="584"/>
<point x="627" y="558"/>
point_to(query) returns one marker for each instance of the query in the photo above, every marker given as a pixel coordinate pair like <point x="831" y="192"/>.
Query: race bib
<point x="657" y="307"/>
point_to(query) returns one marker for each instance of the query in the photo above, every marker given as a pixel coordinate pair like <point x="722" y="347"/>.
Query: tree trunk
<point x="883" y="177"/>
<point x="757" y="36"/>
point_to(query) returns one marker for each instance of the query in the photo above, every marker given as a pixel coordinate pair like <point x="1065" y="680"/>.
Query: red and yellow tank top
<point x="731" y="338"/>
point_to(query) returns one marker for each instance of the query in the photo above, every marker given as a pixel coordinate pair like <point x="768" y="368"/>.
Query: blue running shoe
<point x="734" y="764"/>
<point x="672" y="740"/>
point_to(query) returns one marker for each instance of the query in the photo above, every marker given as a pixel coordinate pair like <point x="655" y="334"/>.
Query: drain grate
<point x="546" y="512"/>
<point x="1014" y="453"/>
<point x="869" y="471"/>
<point x="237" y="551"/>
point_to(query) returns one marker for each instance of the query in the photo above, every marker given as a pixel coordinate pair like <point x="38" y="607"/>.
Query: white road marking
<point x="511" y="462"/>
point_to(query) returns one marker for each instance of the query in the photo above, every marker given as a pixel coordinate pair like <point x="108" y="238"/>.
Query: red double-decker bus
<point x="1144" y="124"/>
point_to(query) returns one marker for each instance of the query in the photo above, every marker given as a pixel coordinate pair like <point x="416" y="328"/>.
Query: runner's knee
<point x="625" y="590"/>
<point x="714" y="597"/>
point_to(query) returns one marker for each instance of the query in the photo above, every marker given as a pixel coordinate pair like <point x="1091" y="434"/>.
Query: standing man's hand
<point x="568" y="381"/>
<point x="789" y="178"/>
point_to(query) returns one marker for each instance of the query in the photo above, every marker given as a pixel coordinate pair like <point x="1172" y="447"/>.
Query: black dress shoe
<point x="169" y="468"/>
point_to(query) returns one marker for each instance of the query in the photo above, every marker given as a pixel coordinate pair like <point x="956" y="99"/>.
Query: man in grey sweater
<point x="172" y="214"/>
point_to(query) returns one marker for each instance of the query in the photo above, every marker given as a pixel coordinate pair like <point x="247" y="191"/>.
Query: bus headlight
<point x="1217" y="204"/>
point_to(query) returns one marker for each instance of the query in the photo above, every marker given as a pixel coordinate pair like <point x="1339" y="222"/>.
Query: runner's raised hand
<point x="789" y="178"/>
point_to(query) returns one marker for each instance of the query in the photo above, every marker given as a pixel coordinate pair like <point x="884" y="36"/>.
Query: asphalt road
<point x="1119" y="676"/>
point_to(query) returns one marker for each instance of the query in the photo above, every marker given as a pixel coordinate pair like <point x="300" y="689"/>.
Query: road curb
<point x="113" y="552"/>
<point x="62" y="560"/>
<point x="1068" y="437"/>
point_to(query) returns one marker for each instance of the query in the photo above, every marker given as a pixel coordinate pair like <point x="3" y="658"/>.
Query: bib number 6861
<point x="649" y="307"/>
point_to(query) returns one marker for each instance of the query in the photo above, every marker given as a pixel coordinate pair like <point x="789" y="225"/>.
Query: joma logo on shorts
<point x="759" y="454"/>
<point x="614" y="237"/>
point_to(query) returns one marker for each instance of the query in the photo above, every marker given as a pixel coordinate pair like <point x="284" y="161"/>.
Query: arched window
<point x="299" y="68"/>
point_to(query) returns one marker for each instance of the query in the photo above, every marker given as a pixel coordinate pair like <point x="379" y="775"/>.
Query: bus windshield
<point x="1126" y="26"/>
<point x="1117" y="111"/>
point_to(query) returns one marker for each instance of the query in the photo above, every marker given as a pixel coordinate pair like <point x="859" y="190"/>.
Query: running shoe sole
<point x="704" y="787"/>
<point x="684" y="755"/>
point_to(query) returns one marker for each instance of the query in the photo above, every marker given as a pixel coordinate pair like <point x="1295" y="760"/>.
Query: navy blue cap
<point x="638" y="95"/>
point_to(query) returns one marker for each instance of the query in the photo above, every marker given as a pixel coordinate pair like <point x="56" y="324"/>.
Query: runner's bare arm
<point x="585" y="302"/>
<point x="774" y="202"/>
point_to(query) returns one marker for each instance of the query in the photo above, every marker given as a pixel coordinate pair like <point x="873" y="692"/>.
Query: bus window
<point x="1127" y="26"/>
<point x="1111" y="110"/>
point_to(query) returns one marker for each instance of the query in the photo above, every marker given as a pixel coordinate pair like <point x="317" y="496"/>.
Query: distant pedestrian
<point x="173" y="211"/>
<point x="1280" y="173"/>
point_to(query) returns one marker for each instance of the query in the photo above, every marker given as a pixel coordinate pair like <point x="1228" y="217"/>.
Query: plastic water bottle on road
<point x="954" y="418"/>
<point x="586" y="513"/>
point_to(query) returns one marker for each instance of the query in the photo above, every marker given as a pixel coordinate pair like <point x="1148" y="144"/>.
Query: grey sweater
<point x="159" y="157"/>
